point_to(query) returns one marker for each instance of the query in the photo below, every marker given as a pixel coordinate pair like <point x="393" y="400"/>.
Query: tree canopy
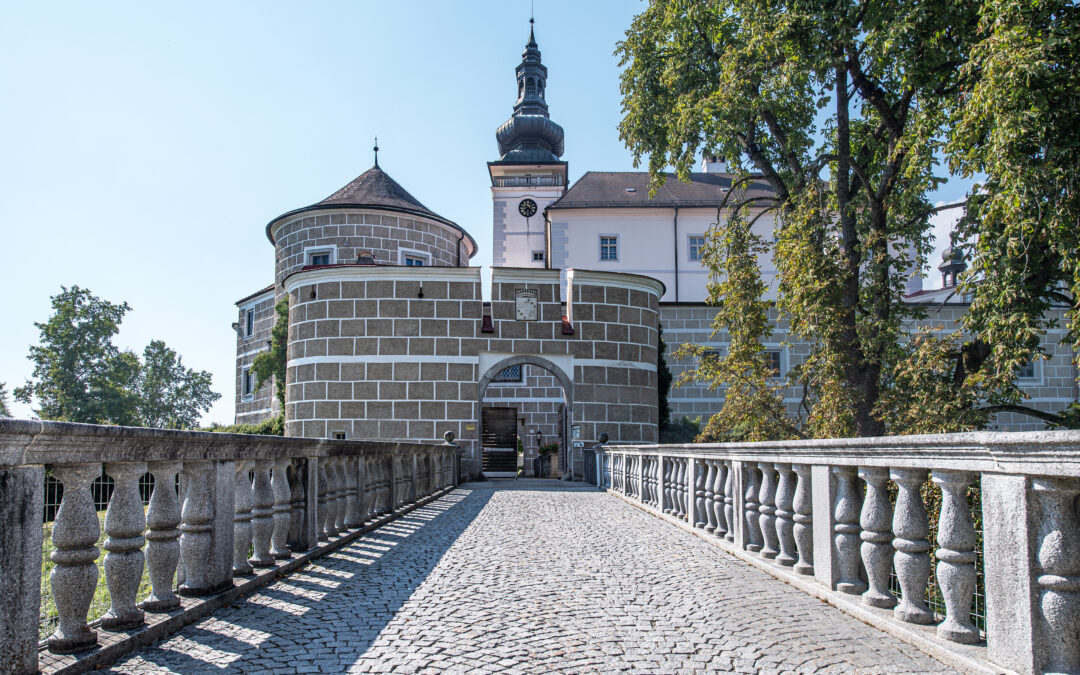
<point x="4" y="411"/>
<point x="81" y="376"/>
<point x="846" y="109"/>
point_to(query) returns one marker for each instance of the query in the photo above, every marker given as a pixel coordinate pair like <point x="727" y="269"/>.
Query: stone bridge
<point x="916" y="554"/>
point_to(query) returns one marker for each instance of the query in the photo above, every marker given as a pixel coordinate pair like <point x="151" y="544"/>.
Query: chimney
<point x="713" y="165"/>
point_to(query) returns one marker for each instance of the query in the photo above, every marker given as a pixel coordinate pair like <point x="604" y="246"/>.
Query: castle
<point x="389" y="337"/>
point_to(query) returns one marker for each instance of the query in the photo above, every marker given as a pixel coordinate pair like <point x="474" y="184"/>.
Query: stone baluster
<point x="646" y="479"/>
<point x="322" y="506"/>
<point x="1057" y="586"/>
<point x="785" y="525"/>
<point x="708" y="504"/>
<point x="767" y="509"/>
<point x="678" y="473"/>
<point x="696" y="471"/>
<point x="279" y="486"/>
<point x="752" y="511"/>
<point x="912" y="558"/>
<point x="341" y="492"/>
<point x="353" y="510"/>
<point x="729" y="502"/>
<point x="804" y="520"/>
<point x="298" y="504"/>
<point x="721" y="518"/>
<point x="846" y="531"/>
<point x="242" y="505"/>
<point x="385" y="486"/>
<point x="163" y="534"/>
<point x="327" y="486"/>
<point x="262" y="515"/>
<point x="877" y="551"/>
<point x="125" y="523"/>
<point x="956" y="558"/>
<point x="667" y="500"/>
<point x="74" y="574"/>
<point x="686" y="490"/>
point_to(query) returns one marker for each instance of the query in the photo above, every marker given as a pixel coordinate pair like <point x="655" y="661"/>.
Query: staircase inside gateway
<point x="499" y="442"/>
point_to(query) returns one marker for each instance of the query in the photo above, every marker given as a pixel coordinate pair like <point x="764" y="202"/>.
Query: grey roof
<point x="374" y="189"/>
<point x="630" y="189"/>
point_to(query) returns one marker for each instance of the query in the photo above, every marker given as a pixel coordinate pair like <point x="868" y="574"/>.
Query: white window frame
<point x="413" y="253"/>
<point x="600" y="251"/>
<point x="245" y="373"/>
<point x="690" y="247"/>
<point x="311" y="251"/>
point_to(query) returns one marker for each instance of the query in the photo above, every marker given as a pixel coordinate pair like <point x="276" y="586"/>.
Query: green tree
<point x="169" y="395"/>
<point x="839" y="108"/>
<point x="271" y="363"/>
<point x="79" y="375"/>
<point x="4" y="411"/>
<point x="663" y="381"/>
<point x="1016" y="124"/>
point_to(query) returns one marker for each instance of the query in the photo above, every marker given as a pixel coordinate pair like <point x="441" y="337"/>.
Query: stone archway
<point x="566" y="381"/>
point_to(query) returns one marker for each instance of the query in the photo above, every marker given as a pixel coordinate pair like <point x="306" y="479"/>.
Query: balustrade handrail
<point x="1041" y="453"/>
<point x="895" y="523"/>
<point x="221" y="505"/>
<point x="30" y="442"/>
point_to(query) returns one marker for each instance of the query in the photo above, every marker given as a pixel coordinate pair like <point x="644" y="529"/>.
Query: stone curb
<point x="161" y="625"/>
<point x="966" y="658"/>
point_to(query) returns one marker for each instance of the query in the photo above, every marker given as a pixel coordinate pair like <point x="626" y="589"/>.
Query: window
<point x="247" y="383"/>
<point x="339" y="436"/>
<point x="320" y="255"/>
<point x="412" y="258"/>
<point x="413" y="261"/>
<point x="775" y="363"/>
<point x="696" y="243"/>
<point x="249" y="322"/>
<point x="1027" y="371"/>
<point x="508" y="374"/>
<point x="609" y="247"/>
<point x="538" y="256"/>
<point x="320" y="259"/>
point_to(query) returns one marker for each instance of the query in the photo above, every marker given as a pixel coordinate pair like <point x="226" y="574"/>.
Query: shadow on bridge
<point x="328" y="613"/>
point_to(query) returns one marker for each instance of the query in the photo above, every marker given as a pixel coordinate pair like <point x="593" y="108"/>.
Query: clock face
<point x="527" y="208"/>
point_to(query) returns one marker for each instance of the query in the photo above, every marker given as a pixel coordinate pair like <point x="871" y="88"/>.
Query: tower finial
<point x="376" y="151"/>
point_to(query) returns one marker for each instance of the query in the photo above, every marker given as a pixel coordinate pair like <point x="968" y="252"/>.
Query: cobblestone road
<point x="497" y="578"/>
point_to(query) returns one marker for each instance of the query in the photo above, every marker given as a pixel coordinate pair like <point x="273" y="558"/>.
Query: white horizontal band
<point x="615" y="363"/>
<point x="380" y="358"/>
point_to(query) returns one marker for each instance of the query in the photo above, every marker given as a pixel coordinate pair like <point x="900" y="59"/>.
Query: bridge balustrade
<point x="967" y="545"/>
<point x="221" y="506"/>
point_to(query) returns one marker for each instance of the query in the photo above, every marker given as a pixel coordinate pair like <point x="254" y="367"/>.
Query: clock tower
<point x="528" y="174"/>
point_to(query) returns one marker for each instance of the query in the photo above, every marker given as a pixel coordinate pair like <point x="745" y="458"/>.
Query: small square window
<point x="538" y="256"/>
<point x="249" y="322"/>
<point x="1027" y="371"/>
<point x="247" y="383"/>
<point x="320" y="259"/>
<point x="609" y="248"/>
<point x="340" y="436"/>
<point x="696" y="244"/>
<point x="413" y="261"/>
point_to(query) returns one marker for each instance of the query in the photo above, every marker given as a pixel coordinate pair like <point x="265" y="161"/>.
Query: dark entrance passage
<point x="499" y="442"/>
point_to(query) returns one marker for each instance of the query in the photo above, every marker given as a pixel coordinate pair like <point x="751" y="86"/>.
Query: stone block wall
<point x="381" y="233"/>
<point x="262" y="405"/>
<point x="1052" y="388"/>
<point x="400" y="353"/>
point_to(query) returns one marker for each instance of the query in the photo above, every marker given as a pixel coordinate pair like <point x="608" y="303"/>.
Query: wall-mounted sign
<point x="575" y="431"/>
<point x="526" y="304"/>
<point x="470" y="427"/>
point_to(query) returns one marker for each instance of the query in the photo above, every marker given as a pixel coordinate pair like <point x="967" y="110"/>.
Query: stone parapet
<point x="981" y="531"/>
<point x="274" y="496"/>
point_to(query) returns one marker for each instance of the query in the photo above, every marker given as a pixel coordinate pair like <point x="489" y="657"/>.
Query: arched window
<point x="530" y="86"/>
<point x="521" y="88"/>
<point x="540" y="88"/>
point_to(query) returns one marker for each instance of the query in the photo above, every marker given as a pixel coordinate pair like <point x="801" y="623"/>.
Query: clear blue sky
<point x="146" y="145"/>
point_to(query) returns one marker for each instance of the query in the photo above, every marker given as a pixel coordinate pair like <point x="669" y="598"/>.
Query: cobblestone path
<point x="528" y="578"/>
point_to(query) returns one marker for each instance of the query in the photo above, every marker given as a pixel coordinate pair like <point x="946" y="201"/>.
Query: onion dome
<point x="530" y="135"/>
